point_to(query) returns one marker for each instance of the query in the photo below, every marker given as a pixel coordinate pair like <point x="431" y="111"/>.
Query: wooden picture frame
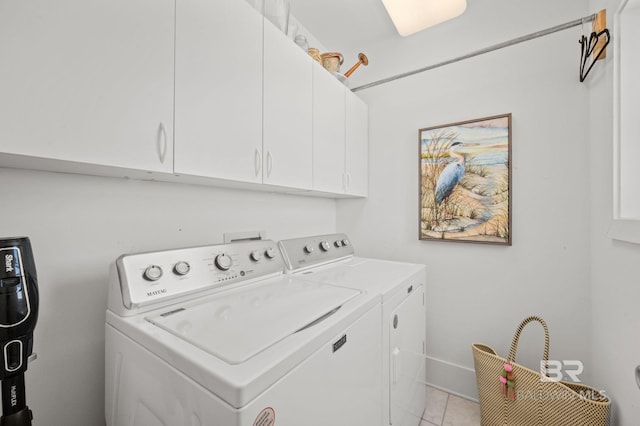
<point x="465" y="181"/>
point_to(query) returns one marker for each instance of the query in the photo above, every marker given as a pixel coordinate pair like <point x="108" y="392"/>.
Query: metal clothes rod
<point x="498" y="46"/>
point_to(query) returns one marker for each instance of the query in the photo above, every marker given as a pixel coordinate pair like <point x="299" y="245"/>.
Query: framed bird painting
<point x="465" y="181"/>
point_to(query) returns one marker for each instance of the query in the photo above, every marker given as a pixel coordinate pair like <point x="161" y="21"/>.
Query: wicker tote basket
<point x="533" y="401"/>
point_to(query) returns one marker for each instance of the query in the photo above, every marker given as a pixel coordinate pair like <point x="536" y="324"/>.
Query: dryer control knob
<point x="308" y="249"/>
<point x="345" y="242"/>
<point x="223" y="262"/>
<point x="182" y="268"/>
<point x="152" y="273"/>
<point x="324" y="246"/>
<point x="337" y="243"/>
<point x="256" y="255"/>
<point x="270" y="253"/>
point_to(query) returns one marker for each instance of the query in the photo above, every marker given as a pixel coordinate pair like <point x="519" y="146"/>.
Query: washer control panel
<point x="299" y="253"/>
<point x="147" y="278"/>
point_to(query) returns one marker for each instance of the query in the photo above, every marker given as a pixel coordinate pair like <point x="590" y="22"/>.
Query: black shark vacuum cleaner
<point x="18" y="316"/>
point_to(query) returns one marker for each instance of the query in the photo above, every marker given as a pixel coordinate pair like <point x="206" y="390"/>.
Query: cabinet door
<point x="287" y="147"/>
<point x="218" y="90"/>
<point x="357" y="145"/>
<point x="328" y="132"/>
<point x="89" y="81"/>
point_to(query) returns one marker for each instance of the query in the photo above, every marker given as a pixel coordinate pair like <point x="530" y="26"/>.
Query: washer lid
<point x="237" y="325"/>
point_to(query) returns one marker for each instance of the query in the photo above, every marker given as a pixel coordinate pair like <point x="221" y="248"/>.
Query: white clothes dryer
<point x="400" y="287"/>
<point x="219" y="336"/>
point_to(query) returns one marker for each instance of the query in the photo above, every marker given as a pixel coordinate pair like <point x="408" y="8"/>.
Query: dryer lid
<point x="237" y="325"/>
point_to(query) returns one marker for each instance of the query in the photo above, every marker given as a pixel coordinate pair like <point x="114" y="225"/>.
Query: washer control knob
<point x="345" y="242"/>
<point x="182" y="268"/>
<point x="152" y="273"/>
<point x="324" y="246"/>
<point x="270" y="253"/>
<point x="308" y="249"/>
<point x="337" y="243"/>
<point x="256" y="255"/>
<point x="223" y="262"/>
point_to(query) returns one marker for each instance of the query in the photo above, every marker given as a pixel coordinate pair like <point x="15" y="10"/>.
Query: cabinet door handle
<point x="162" y="143"/>
<point x="258" y="161"/>
<point x="269" y="163"/>
<point x="348" y="181"/>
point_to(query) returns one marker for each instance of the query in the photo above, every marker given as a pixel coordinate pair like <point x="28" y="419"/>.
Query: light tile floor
<point x="444" y="409"/>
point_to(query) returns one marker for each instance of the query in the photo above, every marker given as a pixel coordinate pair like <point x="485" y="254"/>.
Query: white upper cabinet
<point x="218" y="109"/>
<point x="95" y="86"/>
<point x="328" y="132"/>
<point x="88" y="81"/>
<point x="287" y="117"/>
<point x="357" y="146"/>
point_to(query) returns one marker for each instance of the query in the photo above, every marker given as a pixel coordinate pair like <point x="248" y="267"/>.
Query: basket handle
<point x="514" y="343"/>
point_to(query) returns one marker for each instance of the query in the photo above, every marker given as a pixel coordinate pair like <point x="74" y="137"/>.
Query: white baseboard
<point x="452" y="378"/>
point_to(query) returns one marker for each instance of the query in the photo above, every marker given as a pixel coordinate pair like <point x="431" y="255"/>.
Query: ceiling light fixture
<point x="411" y="16"/>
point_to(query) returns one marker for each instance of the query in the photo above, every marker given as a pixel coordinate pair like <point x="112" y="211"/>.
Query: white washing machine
<point x="219" y="336"/>
<point x="330" y="259"/>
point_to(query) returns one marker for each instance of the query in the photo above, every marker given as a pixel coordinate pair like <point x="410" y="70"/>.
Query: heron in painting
<point x="451" y="175"/>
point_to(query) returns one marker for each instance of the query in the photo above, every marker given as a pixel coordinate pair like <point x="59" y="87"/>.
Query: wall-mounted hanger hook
<point x="594" y="48"/>
<point x="587" y="51"/>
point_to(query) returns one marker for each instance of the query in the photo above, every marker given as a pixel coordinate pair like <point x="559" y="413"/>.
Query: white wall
<point x="79" y="225"/>
<point x="615" y="283"/>
<point x="479" y="293"/>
